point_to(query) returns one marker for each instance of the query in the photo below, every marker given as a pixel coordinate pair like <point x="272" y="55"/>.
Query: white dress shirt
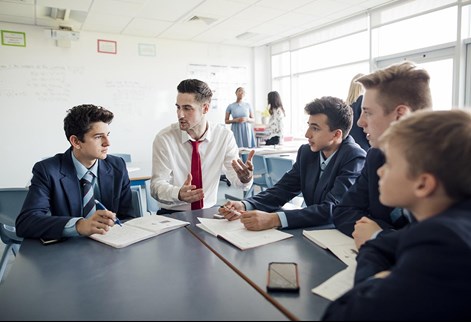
<point x="171" y="164"/>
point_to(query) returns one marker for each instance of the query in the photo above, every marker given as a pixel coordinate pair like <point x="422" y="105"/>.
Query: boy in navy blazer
<point x="324" y="170"/>
<point x="390" y="94"/>
<point x="54" y="208"/>
<point x="421" y="272"/>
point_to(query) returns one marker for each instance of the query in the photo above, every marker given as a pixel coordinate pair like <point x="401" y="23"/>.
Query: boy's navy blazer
<point x="320" y="195"/>
<point x="55" y="188"/>
<point x="430" y="265"/>
<point x="362" y="199"/>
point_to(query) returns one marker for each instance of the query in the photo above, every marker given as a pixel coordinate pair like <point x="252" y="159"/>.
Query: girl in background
<point x="242" y="117"/>
<point x="277" y="114"/>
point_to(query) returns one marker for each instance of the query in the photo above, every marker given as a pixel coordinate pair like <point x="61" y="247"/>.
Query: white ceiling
<point x="231" y="22"/>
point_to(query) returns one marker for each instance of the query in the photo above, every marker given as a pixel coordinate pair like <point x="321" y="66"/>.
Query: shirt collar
<point x="82" y="170"/>
<point x="326" y="161"/>
<point x="207" y="136"/>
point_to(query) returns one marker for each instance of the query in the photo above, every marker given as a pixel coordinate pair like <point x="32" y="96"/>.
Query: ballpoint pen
<point x="231" y="210"/>
<point x="99" y="204"/>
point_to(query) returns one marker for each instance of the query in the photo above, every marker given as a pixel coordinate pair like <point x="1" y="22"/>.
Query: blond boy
<point x="421" y="272"/>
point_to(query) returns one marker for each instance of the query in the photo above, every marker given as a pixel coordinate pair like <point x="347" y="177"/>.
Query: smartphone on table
<point x="283" y="277"/>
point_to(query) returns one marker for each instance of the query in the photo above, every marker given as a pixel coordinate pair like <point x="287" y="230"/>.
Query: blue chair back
<point x="136" y="201"/>
<point x="260" y="174"/>
<point x="126" y="156"/>
<point x="277" y="167"/>
<point x="151" y="202"/>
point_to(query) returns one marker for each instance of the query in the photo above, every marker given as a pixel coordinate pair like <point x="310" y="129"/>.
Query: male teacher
<point x="189" y="156"/>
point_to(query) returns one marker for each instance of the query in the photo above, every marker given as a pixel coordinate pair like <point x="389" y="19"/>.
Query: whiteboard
<point x="40" y="82"/>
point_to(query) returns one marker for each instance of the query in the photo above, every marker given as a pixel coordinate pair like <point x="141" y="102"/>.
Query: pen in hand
<point x="99" y="204"/>
<point x="230" y="210"/>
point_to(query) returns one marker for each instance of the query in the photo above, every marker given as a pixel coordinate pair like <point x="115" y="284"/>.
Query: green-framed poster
<point x="13" y="38"/>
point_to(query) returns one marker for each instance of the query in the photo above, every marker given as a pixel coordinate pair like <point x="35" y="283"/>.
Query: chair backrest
<point x="151" y="202"/>
<point x="11" y="202"/>
<point x="126" y="156"/>
<point x="136" y="201"/>
<point x="277" y="167"/>
<point x="260" y="171"/>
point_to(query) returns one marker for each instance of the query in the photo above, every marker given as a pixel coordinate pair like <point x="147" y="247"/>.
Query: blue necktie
<point x="87" y="193"/>
<point x="323" y="166"/>
<point x="400" y="216"/>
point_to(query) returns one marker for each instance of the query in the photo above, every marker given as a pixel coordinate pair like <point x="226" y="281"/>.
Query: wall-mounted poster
<point x="107" y="46"/>
<point x="13" y="38"/>
<point x="147" y="50"/>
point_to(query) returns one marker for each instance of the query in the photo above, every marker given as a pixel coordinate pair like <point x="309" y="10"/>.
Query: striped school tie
<point x="87" y="193"/>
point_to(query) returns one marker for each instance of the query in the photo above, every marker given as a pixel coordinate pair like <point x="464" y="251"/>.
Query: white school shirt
<point x="171" y="164"/>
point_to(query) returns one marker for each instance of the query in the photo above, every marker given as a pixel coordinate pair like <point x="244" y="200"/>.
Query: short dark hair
<point x="201" y="90"/>
<point x="79" y="119"/>
<point x="339" y="114"/>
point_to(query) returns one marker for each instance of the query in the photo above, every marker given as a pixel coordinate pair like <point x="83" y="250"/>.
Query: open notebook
<point x="138" y="229"/>
<point x="334" y="240"/>
<point x="235" y="233"/>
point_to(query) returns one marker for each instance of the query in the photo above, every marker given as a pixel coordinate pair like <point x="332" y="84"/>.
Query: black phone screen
<point x="283" y="277"/>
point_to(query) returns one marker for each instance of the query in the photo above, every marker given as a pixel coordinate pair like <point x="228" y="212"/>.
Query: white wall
<point x="40" y="82"/>
<point x="262" y="78"/>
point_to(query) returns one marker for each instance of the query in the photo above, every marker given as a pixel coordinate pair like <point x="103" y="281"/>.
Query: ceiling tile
<point x="105" y="23"/>
<point x="82" y="5"/>
<point x="219" y="8"/>
<point x="116" y="8"/>
<point x="283" y="4"/>
<point x="268" y="20"/>
<point x="16" y="9"/>
<point x="322" y="8"/>
<point x="146" y="28"/>
<point x="168" y="10"/>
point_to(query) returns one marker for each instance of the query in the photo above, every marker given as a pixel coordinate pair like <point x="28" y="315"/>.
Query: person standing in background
<point x="277" y="113"/>
<point x="242" y="119"/>
<point x="354" y="99"/>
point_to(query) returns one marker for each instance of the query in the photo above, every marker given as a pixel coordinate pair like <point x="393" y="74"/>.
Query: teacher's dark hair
<point x="201" y="90"/>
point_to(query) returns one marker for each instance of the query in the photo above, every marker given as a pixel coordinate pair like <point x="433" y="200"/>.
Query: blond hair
<point x="355" y="89"/>
<point x="436" y="142"/>
<point x="400" y="84"/>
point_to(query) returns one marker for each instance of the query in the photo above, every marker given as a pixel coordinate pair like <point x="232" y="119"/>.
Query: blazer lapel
<point x="105" y="179"/>
<point x="324" y="180"/>
<point x="70" y="185"/>
<point x="312" y="178"/>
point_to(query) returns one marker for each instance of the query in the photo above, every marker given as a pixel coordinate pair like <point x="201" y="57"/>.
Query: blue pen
<point x="99" y="204"/>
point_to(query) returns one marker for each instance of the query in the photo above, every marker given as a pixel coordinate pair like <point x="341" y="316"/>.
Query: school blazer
<point x="362" y="199"/>
<point x="430" y="264"/>
<point x="320" y="195"/>
<point x="55" y="188"/>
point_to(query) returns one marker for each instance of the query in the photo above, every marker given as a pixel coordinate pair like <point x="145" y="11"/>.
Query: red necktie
<point x="196" y="173"/>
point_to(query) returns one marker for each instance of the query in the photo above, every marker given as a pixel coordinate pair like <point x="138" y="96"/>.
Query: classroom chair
<point x="136" y="201"/>
<point x="11" y="202"/>
<point x="126" y="156"/>
<point x="277" y="167"/>
<point x="260" y="174"/>
<point x="151" y="202"/>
